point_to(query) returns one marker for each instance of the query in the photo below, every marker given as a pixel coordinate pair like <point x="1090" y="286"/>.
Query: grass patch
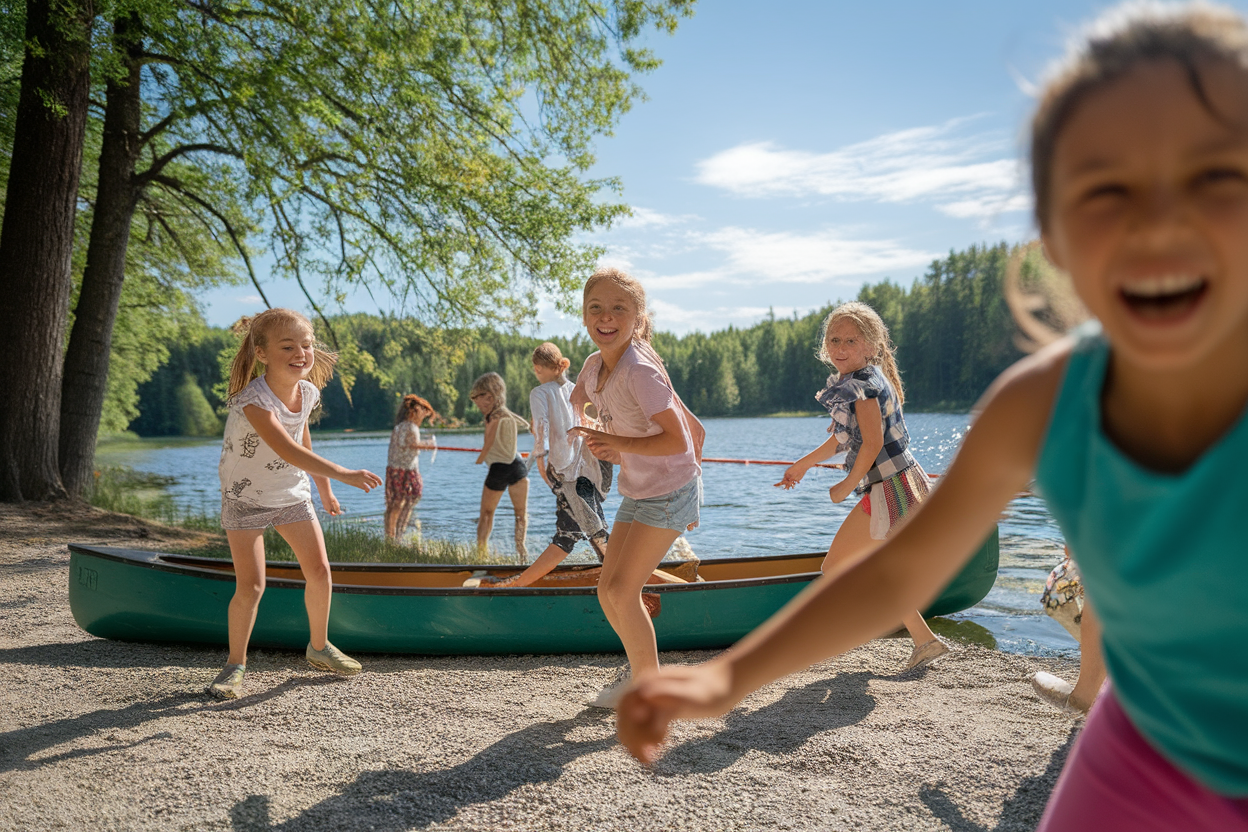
<point x="349" y="542"/>
<point x="125" y="491"/>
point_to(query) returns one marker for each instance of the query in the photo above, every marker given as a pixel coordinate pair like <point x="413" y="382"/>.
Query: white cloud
<point x="251" y="300"/>
<point x="924" y="163"/>
<point x="810" y="258"/>
<point x="987" y="207"/>
<point x="669" y="317"/>
<point x="648" y="218"/>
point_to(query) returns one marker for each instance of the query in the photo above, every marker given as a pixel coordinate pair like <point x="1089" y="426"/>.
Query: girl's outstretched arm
<point x="301" y="456"/>
<point x="794" y="473"/>
<point x="868" y="598"/>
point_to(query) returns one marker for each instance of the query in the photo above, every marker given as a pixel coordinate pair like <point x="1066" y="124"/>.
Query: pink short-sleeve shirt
<point x="637" y="390"/>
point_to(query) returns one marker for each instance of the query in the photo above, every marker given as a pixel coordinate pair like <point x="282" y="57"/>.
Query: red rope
<point x="735" y="461"/>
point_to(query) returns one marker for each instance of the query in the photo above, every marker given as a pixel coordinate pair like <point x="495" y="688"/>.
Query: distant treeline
<point x="952" y="329"/>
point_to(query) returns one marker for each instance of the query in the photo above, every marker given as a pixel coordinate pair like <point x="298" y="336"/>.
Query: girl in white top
<point x="578" y="479"/>
<point x="265" y="461"/>
<point x="507" y="471"/>
<point x="657" y="443"/>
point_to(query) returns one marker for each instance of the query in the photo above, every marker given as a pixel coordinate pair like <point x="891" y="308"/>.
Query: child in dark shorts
<point x="578" y="479"/>
<point x="507" y="471"/>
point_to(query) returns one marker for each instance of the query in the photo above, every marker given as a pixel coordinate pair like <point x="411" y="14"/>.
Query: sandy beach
<point x="103" y="735"/>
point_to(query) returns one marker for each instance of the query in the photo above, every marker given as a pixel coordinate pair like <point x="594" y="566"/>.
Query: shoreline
<point x="100" y="734"/>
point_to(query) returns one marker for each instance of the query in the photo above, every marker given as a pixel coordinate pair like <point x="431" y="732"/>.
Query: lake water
<point x="744" y="514"/>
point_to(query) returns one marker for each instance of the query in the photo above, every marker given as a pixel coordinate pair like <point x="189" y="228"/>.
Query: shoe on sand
<point x="924" y="654"/>
<point x="1056" y="691"/>
<point x="229" y="682"/>
<point x="609" y="696"/>
<point x="333" y="660"/>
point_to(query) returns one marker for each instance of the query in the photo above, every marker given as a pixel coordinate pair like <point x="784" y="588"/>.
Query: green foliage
<point x="192" y="352"/>
<point x="437" y="150"/>
<point x="196" y="417"/>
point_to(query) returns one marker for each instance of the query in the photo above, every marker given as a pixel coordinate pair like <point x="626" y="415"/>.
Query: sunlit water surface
<point x="744" y="514"/>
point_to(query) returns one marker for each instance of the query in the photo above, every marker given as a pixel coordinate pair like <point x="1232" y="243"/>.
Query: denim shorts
<point x="676" y="510"/>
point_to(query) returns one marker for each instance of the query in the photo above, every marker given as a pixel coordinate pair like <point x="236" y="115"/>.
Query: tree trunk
<point x="90" y="342"/>
<point x="36" y="242"/>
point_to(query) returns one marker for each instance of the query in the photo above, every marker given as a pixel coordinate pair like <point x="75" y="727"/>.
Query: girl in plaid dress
<point x="864" y="396"/>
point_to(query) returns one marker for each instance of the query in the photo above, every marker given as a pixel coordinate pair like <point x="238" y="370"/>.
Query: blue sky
<point x="792" y="150"/>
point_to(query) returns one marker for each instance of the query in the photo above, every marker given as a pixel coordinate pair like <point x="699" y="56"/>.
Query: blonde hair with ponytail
<point x="550" y="356"/>
<point x="872" y="329"/>
<point x="256" y="331"/>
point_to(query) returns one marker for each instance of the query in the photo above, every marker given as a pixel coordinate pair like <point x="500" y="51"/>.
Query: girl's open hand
<point x="330" y="503"/>
<point x="673" y="692"/>
<point x="841" y="490"/>
<point x="362" y="479"/>
<point x="792" y="476"/>
<point x="605" y="446"/>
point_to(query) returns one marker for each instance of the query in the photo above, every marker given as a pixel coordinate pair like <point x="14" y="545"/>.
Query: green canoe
<point x="420" y="608"/>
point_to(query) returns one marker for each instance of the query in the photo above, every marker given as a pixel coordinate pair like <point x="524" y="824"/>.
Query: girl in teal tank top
<point x="1133" y="431"/>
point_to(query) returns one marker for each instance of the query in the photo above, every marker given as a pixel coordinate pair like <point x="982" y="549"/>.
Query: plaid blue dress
<point x="839" y="396"/>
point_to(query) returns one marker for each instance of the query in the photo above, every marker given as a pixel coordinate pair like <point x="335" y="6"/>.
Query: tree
<point x="36" y="240"/>
<point x="438" y="150"/>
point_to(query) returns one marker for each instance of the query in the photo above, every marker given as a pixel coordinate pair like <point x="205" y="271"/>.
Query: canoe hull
<point x="140" y="596"/>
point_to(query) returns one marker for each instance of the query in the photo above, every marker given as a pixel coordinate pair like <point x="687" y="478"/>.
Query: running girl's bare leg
<point x="1091" y="661"/>
<point x="308" y="543"/>
<point x="485" y="522"/>
<point x="633" y="553"/>
<point x="392" y="518"/>
<point x="247" y="552"/>
<point x="519" y="494"/>
<point x="853" y="541"/>
<point x="405" y="518"/>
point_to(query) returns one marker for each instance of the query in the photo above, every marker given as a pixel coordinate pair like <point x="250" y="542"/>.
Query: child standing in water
<point x="1132" y="431"/>
<point x="403" y="482"/>
<point x="507" y="471"/>
<point x="657" y="443"/>
<point x="265" y="461"/>
<point x="578" y="480"/>
<point x="864" y="397"/>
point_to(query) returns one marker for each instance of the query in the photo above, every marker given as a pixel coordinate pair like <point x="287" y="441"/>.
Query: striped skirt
<point x="891" y="501"/>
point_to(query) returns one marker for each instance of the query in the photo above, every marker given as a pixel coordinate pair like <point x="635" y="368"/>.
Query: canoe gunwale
<point x="151" y="559"/>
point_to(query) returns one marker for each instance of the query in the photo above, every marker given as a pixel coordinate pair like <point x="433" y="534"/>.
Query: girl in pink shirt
<point x="656" y="441"/>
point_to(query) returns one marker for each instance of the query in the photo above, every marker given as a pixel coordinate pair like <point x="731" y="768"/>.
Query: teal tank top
<point x="1165" y="561"/>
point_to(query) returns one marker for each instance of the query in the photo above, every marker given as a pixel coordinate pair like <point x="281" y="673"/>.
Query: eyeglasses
<point x="590" y="411"/>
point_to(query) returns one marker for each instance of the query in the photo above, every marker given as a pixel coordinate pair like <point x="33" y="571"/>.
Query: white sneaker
<point x="609" y="696"/>
<point x="1056" y="691"/>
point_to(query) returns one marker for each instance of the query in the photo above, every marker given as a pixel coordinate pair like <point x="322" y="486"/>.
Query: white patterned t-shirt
<point x="253" y="476"/>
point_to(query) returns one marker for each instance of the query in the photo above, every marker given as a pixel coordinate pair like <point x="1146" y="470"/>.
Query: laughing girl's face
<point x="610" y="317"/>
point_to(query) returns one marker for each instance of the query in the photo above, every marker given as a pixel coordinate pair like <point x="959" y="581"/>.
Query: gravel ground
<point x="102" y="735"/>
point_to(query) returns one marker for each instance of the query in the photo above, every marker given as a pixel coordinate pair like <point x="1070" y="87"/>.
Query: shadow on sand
<point x="1020" y="811"/>
<point x="18" y="747"/>
<point x="392" y="800"/>
<point x="779" y="728"/>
